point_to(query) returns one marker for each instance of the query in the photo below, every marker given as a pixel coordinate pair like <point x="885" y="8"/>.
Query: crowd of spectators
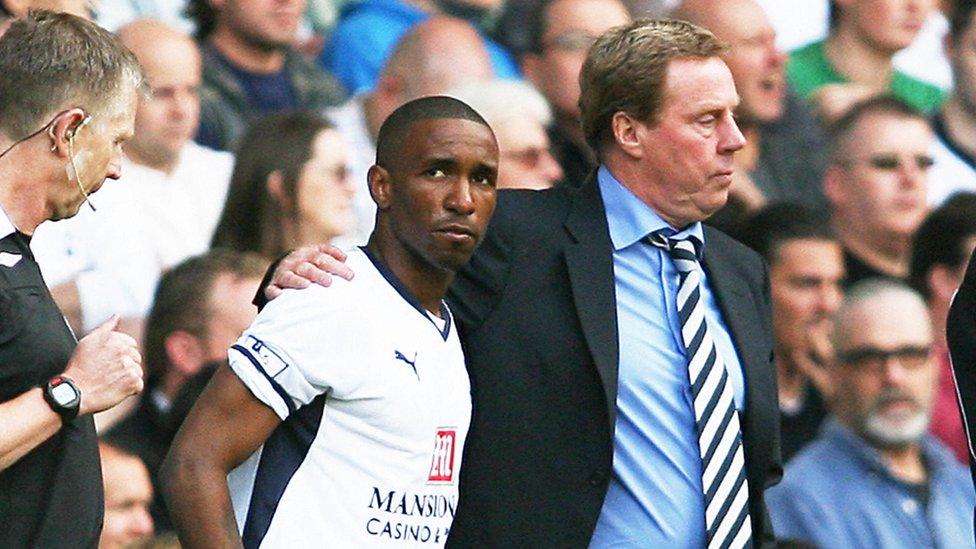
<point x="854" y="185"/>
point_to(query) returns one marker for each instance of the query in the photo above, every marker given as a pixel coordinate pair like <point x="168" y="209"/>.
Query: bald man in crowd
<point x="167" y="203"/>
<point x="875" y="477"/>
<point x="518" y="114"/>
<point x="434" y="57"/>
<point x="783" y="159"/>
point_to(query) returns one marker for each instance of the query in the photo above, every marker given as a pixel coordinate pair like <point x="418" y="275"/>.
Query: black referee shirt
<point x="52" y="497"/>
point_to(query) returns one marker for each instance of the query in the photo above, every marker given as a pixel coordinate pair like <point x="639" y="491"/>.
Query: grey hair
<point x="500" y="100"/>
<point x="52" y="61"/>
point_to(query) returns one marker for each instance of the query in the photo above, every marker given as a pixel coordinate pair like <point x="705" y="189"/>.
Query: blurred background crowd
<point x="855" y="185"/>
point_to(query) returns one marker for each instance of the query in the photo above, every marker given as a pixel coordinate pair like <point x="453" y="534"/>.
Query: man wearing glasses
<point x="874" y="477"/>
<point x="876" y="184"/>
<point x="563" y="31"/>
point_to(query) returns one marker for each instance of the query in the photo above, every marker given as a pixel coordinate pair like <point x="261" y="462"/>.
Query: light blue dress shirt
<point x="838" y="493"/>
<point x="655" y="496"/>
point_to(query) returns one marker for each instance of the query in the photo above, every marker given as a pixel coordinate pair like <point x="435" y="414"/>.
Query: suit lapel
<point x="736" y="301"/>
<point x="589" y="261"/>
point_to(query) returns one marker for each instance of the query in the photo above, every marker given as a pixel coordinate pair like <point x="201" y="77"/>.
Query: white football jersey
<point x="375" y="402"/>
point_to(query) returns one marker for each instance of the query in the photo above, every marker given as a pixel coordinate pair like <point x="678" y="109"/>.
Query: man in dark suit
<point x="961" y="338"/>
<point x="582" y="331"/>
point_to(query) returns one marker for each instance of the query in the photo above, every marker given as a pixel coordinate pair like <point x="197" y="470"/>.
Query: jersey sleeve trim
<point x="253" y="382"/>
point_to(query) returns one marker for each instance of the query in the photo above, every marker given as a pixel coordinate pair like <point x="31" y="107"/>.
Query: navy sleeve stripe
<point x="274" y="384"/>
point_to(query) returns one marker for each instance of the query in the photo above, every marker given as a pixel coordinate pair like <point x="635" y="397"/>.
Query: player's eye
<point x="483" y="176"/>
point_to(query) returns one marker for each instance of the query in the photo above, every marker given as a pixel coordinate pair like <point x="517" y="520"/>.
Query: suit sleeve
<point x="775" y="473"/>
<point x="961" y="337"/>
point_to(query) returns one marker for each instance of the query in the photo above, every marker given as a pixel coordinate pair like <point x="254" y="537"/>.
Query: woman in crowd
<point x="290" y="187"/>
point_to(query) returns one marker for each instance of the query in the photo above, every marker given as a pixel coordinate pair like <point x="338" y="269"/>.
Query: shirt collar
<point x="630" y="219"/>
<point x="6" y="226"/>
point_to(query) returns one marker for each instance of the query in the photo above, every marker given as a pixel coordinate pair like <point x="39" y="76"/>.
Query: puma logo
<point x="412" y="363"/>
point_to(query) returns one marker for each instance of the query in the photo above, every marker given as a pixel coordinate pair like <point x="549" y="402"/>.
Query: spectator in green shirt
<point x="856" y="57"/>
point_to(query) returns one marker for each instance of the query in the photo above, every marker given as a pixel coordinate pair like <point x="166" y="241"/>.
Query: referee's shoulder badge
<point x="8" y="259"/>
<point x="442" y="460"/>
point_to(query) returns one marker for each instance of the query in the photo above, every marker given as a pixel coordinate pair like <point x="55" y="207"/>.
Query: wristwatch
<point x="63" y="396"/>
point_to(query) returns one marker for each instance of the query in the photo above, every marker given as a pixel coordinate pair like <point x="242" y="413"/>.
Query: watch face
<point x="64" y="394"/>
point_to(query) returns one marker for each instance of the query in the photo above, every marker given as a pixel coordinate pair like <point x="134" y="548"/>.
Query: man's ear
<point x="63" y="129"/>
<point x="628" y="133"/>
<point x="380" y="186"/>
<point x="833" y="185"/>
<point x="184" y="352"/>
<point x="948" y="46"/>
<point x="943" y="281"/>
<point x="390" y="85"/>
<point x="531" y="67"/>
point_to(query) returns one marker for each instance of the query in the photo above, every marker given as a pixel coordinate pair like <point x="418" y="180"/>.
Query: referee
<point x="68" y="93"/>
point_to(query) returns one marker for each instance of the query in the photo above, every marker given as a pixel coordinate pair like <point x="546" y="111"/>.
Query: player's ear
<point x="379" y="186"/>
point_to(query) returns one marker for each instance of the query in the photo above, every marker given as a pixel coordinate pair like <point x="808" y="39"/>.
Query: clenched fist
<point x="106" y="367"/>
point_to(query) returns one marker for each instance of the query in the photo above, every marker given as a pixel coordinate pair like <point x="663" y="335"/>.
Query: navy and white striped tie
<point x="716" y="419"/>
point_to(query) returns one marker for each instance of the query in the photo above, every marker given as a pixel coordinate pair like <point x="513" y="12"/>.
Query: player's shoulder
<point x="341" y="295"/>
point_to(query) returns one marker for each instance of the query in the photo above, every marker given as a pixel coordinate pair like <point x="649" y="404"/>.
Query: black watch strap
<point x="63" y="396"/>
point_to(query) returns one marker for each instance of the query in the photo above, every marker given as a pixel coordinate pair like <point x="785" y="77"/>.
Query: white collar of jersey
<point x="6" y="226"/>
<point x="401" y="288"/>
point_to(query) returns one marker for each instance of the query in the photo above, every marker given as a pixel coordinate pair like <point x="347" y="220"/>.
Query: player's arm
<point x="227" y="424"/>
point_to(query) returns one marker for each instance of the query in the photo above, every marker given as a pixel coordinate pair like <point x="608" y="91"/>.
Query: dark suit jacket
<point x="961" y="337"/>
<point x="537" y="311"/>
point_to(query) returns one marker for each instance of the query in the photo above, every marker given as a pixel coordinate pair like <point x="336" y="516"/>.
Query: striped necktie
<point x="716" y="419"/>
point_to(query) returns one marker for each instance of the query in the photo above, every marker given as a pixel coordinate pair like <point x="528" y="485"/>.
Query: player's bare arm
<point x="226" y="425"/>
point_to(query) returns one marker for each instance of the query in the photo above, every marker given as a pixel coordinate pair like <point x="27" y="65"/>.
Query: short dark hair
<point x="626" y="71"/>
<point x="881" y="104"/>
<point x="253" y="220"/>
<point x="960" y="18"/>
<point x="204" y="16"/>
<point x="50" y="61"/>
<point x="396" y="126"/>
<point x="769" y="228"/>
<point x="182" y="303"/>
<point x="941" y="239"/>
